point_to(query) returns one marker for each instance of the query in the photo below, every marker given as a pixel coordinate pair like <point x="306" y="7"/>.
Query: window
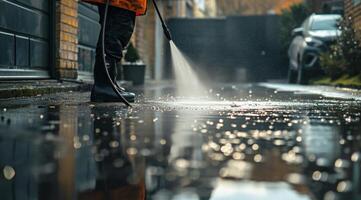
<point x="324" y="24"/>
<point x="356" y="2"/>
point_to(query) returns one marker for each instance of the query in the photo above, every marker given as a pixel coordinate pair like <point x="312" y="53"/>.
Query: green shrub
<point x="345" y="56"/>
<point x="333" y="63"/>
<point x="132" y="54"/>
<point x="350" y="46"/>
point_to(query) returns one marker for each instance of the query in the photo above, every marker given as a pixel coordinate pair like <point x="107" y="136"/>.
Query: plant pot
<point x="134" y="72"/>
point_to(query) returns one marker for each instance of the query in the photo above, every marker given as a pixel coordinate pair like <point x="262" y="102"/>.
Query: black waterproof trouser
<point x="118" y="31"/>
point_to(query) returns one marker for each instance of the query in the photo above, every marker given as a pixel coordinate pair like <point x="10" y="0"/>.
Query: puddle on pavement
<point x="251" y="143"/>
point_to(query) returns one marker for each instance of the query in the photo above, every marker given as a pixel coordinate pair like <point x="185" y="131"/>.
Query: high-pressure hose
<point x="114" y="86"/>
<point x="164" y="25"/>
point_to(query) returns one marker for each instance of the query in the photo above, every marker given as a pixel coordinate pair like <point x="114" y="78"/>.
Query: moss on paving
<point x="345" y="80"/>
<point x="41" y="89"/>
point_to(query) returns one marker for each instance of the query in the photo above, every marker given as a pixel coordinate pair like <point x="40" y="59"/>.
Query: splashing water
<point x="188" y="83"/>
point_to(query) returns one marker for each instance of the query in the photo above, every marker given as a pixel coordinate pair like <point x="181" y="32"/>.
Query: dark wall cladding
<point x="24" y="34"/>
<point x="88" y="34"/>
<point x="22" y="51"/>
<point x="39" y="54"/>
<point x="33" y="4"/>
<point x="7" y="55"/>
<point x="220" y="47"/>
<point x="24" y="20"/>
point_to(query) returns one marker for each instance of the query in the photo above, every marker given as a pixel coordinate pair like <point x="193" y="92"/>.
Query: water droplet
<point x="295" y="178"/>
<point x="339" y="163"/>
<point x="342" y="141"/>
<point x="316" y="175"/>
<point x="204" y="131"/>
<point x="344" y="186"/>
<point x="114" y="144"/>
<point x="258" y="158"/>
<point x="182" y="164"/>
<point x="242" y="146"/>
<point x="133" y="137"/>
<point x="132" y="151"/>
<point x="163" y="142"/>
<point x="279" y="142"/>
<point x="9" y="172"/>
<point x="86" y="137"/>
<point x="77" y="145"/>
<point x="355" y="157"/>
<point x="238" y="156"/>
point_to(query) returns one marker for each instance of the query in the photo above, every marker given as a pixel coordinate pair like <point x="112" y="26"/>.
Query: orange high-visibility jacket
<point x="138" y="6"/>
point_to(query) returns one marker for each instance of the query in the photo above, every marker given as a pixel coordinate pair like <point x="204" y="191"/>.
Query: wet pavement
<point x="245" y="141"/>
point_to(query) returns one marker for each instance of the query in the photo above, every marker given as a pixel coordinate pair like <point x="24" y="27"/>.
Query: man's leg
<point x="118" y="31"/>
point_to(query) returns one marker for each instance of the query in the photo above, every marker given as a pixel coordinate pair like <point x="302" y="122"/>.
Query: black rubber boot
<point x="119" y="28"/>
<point x="102" y="90"/>
<point x="106" y="94"/>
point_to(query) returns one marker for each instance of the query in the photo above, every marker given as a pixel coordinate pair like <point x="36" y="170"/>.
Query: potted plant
<point x="133" y="67"/>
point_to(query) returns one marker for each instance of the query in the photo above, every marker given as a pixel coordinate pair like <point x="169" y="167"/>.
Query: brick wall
<point x="318" y="6"/>
<point x="66" y="39"/>
<point x="353" y="10"/>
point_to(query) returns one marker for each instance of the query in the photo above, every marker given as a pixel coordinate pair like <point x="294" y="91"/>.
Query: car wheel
<point x="292" y="76"/>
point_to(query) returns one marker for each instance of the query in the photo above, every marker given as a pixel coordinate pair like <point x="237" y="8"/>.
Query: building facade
<point x="262" y="7"/>
<point x="56" y="39"/>
<point x="26" y="40"/>
<point x="326" y="6"/>
<point x="40" y="39"/>
<point x="254" y="7"/>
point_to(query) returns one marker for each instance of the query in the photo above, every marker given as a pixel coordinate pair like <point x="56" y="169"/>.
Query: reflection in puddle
<point x="261" y="148"/>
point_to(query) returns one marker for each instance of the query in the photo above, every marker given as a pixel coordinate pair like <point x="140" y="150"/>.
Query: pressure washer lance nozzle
<point x="164" y="26"/>
<point x="167" y="33"/>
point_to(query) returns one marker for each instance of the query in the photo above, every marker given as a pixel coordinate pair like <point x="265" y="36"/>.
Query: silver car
<point x="317" y="34"/>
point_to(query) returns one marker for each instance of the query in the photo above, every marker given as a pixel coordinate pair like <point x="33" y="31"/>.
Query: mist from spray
<point x="187" y="81"/>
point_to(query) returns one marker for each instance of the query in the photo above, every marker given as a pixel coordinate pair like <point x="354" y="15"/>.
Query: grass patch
<point x="345" y="80"/>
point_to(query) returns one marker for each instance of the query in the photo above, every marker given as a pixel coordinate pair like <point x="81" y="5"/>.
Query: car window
<point x="325" y="24"/>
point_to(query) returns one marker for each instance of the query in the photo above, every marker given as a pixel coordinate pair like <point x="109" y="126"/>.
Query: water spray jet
<point x="187" y="81"/>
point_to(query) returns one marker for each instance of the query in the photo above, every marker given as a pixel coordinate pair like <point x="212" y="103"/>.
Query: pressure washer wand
<point x="164" y="25"/>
